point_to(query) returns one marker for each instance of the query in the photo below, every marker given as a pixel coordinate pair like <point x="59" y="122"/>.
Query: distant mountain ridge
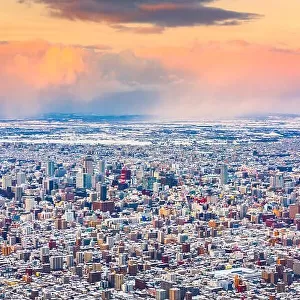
<point x="65" y="117"/>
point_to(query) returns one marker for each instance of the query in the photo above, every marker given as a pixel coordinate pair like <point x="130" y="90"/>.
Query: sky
<point x="169" y="58"/>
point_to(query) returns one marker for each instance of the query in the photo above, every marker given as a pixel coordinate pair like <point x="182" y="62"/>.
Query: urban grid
<point x="95" y="208"/>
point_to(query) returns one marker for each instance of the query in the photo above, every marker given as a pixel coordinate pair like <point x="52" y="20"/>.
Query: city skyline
<point x="149" y="149"/>
<point x="176" y="59"/>
<point x="119" y="208"/>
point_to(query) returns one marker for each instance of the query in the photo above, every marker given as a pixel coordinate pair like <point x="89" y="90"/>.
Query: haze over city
<point x="178" y="59"/>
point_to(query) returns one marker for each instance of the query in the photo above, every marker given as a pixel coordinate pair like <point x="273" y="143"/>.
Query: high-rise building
<point x="102" y="167"/>
<point x="188" y="296"/>
<point x="87" y="181"/>
<point x="110" y="240"/>
<point x="104" y="206"/>
<point x="70" y="260"/>
<point x="44" y="251"/>
<point x="161" y="237"/>
<point x="224" y="174"/>
<point x="56" y="263"/>
<point x="88" y="165"/>
<point x="106" y="295"/>
<point x="93" y="196"/>
<point x="243" y="210"/>
<point x="60" y="172"/>
<point x="29" y="203"/>
<point x="6" y="182"/>
<point x="174" y="294"/>
<point x="60" y="223"/>
<point x="161" y="294"/>
<point x="83" y="180"/>
<point x="88" y="256"/>
<point x="96" y="178"/>
<point x="69" y="216"/>
<point x="119" y="280"/>
<point x="79" y="257"/>
<point x="21" y="178"/>
<point x="94" y="276"/>
<point x="156" y="187"/>
<point x="50" y="169"/>
<point x="49" y="185"/>
<point x="18" y="193"/>
<point x="132" y="268"/>
<point x="294" y="209"/>
<point x="277" y="181"/>
<point x="122" y="259"/>
<point x="103" y="192"/>
<point x="79" y="179"/>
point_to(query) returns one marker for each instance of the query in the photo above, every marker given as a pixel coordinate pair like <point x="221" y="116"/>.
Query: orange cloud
<point x="212" y="79"/>
<point x="228" y="62"/>
<point x="230" y="78"/>
<point x="39" y="64"/>
<point x="36" y="75"/>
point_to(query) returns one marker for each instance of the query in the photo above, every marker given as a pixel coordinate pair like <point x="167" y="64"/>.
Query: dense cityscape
<point x="128" y="208"/>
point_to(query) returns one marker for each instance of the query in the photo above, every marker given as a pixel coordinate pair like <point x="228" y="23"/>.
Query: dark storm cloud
<point x="161" y="13"/>
<point x="139" y="29"/>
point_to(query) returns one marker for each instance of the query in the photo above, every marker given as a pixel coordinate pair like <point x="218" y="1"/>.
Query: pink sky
<point x="192" y="58"/>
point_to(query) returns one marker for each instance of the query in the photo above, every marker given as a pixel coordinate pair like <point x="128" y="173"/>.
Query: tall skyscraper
<point x="83" y="180"/>
<point x="18" y="193"/>
<point x="243" y="210"/>
<point x="103" y="192"/>
<point x="49" y="185"/>
<point x="88" y="165"/>
<point x="277" y="181"/>
<point x="70" y="260"/>
<point x="119" y="280"/>
<point x="224" y="174"/>
<point x="102" y="167"/>
<point x="79" y="257"/>
<point x="6" y="182"/>
<point x="95" y="179"/>
<point x="21" y="178"/>
<point x="50" y="170"/>
<point x="29" y="203"/>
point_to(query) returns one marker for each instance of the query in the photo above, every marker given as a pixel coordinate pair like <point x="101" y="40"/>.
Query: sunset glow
<point x="231" y="53"/>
